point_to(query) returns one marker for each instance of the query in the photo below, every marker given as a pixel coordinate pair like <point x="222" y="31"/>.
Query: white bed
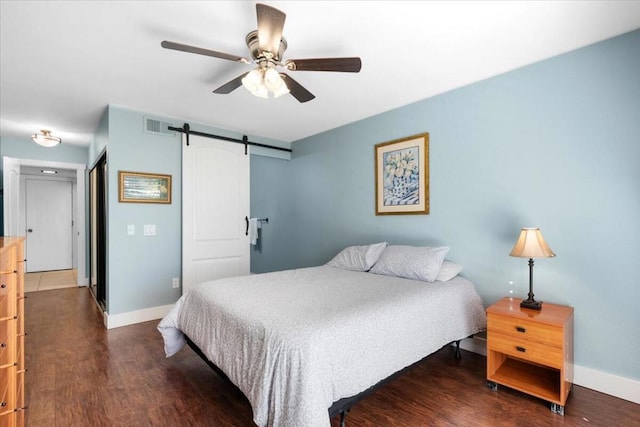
<point x="296" y="341"/>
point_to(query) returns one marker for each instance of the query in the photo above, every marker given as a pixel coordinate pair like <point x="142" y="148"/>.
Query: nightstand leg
<point x="492" y="385"/>
<point x="557" y="409"/>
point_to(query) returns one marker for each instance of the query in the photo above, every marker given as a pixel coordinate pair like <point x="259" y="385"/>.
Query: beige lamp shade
<point x="531" y="244"/>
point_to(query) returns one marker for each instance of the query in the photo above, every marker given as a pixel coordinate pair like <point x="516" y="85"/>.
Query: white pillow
<point x="358" y="258"/>
<point x="448" y="271"/>
<point x="411" y="262"/>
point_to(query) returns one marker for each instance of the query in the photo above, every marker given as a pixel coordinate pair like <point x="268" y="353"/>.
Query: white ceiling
<point x="63" y="62"/>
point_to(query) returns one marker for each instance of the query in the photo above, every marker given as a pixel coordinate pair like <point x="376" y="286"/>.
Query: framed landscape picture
<point x="139" y="187"/>
<point x="402" y="176"/>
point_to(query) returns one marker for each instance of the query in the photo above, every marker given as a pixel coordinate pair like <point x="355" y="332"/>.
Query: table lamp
<point x="531" y="244"/>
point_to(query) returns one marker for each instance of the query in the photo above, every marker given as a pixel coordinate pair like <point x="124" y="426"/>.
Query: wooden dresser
<point x="531" y="350"/>
<point x="12" y="334"/>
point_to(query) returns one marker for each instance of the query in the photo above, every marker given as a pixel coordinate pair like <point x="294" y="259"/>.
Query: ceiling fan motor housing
<point x="253" y="43"/>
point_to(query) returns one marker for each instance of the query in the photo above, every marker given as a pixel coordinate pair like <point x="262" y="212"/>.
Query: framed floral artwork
<point x="138" y="187"/>
<point x="402" y="176"/>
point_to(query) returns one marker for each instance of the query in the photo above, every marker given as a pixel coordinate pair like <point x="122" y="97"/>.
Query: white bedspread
<point x="295" y="341"/>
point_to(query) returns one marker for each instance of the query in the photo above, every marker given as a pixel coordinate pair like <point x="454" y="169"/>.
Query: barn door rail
<point x="186" y="129"/>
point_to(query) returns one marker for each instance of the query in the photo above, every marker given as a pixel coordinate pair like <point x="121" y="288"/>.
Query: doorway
<point x="14" y="217"/>
<point x="98" y="230"/>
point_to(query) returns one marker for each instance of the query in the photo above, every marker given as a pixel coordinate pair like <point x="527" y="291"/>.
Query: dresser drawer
<point x="526" y="350"/>
<point x="7" y="384"/>
<point x="7" y="342"/>
<point x="7" y="295"/>
<point x="526" y="329"/>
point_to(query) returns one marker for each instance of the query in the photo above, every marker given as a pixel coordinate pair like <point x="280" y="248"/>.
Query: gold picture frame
<point x="402" y="176"/>
<point x="140" y="187"/>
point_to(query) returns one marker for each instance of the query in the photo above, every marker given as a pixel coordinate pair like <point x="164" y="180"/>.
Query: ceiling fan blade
<point x="297" y="90"/>
<point x="270" y="25"/>
<point x="345" y="65"/>
<point x="200" y="51"/>
<point x="231" y="85"/>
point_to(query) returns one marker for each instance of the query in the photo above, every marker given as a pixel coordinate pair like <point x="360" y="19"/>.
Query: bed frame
<point x="340" y="407"/>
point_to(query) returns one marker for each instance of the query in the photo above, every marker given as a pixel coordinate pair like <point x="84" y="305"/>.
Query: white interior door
<point x="215" y="208"/>
<point x="49" y="223"/>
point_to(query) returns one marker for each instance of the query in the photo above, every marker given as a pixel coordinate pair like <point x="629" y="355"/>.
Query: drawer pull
<point x="3" y="286"/>
<point x="3" y="345"/>
<point x="3" y="403"/>
<point x="521" y="349"/>
<point x="520" y="329"/>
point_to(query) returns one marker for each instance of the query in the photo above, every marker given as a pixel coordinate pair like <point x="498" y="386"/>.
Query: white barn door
<point x="215" y="205"/>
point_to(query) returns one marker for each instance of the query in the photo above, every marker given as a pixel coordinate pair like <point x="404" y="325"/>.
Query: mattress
<point x="296" y="341"/>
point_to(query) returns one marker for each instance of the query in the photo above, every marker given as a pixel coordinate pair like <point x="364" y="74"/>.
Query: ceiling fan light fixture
<point x="272" y="79"/>
<point x="261" y="91"/>
<point x="261" y="81"/>
<point x="45" y="139"/>
<point x="253" y="80"/>
<point x="281" y="90"/>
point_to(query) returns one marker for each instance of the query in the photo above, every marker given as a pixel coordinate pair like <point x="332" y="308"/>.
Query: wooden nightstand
<point x="530" y="350"/>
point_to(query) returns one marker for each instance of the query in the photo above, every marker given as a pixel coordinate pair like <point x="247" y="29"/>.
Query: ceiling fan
<point x="267" y="46"/>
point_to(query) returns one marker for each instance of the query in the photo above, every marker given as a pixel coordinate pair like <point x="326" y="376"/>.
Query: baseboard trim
<point x="603" y="382"/>
<point x="133" y="317"/>
<point x="624" y="388"/>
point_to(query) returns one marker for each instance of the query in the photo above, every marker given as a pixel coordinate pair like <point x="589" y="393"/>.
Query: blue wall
<point x="140" y="267"/>
<point x="555" y="144"/>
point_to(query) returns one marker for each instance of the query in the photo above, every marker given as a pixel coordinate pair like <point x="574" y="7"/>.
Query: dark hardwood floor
<point x="80" y="374"/>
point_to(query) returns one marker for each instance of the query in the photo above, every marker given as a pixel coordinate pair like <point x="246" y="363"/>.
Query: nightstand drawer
<point x="526" y="350"/>
<point x="526" y="329"/>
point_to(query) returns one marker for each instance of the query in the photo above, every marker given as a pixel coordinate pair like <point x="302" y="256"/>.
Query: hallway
<point x="48" y="280"/>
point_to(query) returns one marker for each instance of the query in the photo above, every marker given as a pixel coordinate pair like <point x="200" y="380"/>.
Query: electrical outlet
<point x="176" y="282"/>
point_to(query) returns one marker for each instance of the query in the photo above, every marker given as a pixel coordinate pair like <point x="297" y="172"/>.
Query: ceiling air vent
<point x="157" y="127"/>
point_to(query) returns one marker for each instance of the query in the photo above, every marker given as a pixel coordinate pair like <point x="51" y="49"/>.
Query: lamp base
<point x="531" y="304"/>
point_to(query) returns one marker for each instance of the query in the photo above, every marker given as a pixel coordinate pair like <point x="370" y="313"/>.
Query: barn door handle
<point x="246" y="232"/>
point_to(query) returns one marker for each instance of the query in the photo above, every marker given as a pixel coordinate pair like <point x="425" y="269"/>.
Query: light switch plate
<point x="149" y="229"/>
<point x="131" y="230"/>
